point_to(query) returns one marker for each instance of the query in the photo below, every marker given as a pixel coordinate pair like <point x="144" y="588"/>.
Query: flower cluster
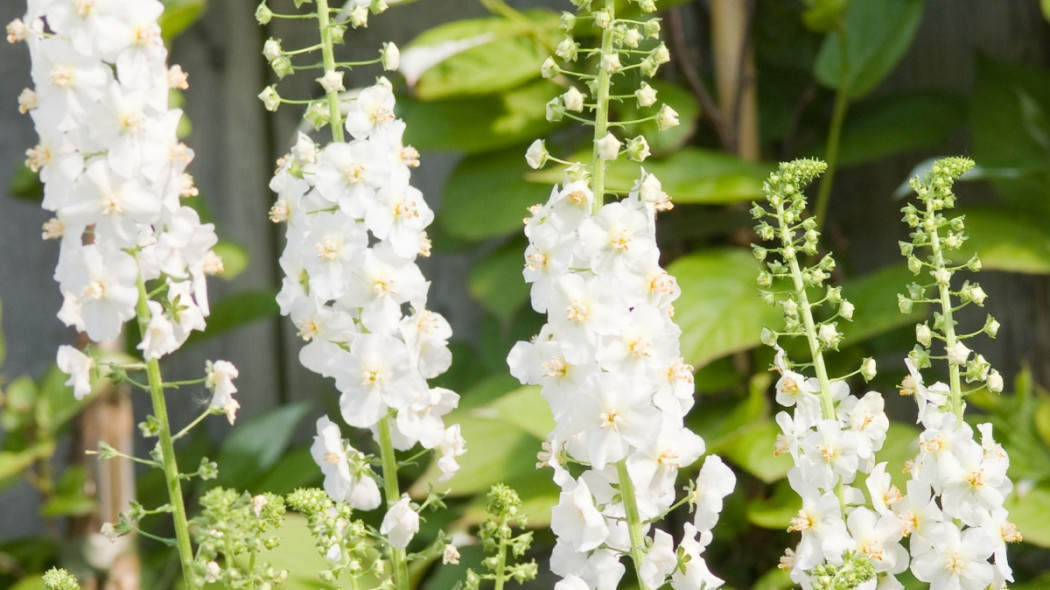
<point x="608" y="359"/>
<point x="114" y="175"/>
<point x="831" y="436"/>
<point x="954" y="512"/>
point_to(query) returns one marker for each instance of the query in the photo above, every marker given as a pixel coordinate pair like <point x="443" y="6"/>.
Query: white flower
<point x="573" y="100"/>
<point x="958" y="353"/>
<point x="400" y="524"/>
<point x="957" y="560"/>
<point x="331" y="454"/>
<point x="219" y="379"/>
<point x="714" y="482"/>
<point x="536" y="156"/>
<point x="646" y="95"/>
<point x="332" y="81"/>
<point x="576" y="521"/>
<point x="659" y="561"/>
<point x="78" y="366"/>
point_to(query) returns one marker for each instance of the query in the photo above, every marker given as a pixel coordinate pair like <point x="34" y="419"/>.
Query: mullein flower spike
<point x="608" y="359"/>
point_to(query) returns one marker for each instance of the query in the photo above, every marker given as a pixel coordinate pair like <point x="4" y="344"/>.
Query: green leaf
<point x="776" y="511"/>
<point x="499" y="54"/>
<point x="900" y="123"/>
<point x="1009" y="96"/>
<point x="256" y="445"/>
<point x="19" y="401"/>
<point x="875" y="297"/>
<point x="178" y="16"/>
<point x="481" y="124"/>
<point x="487" y="196"/>
<point x="15" y="462"/>
<point x="496" y="281"/>
<point x="502" y="438"/>
<point x="901" y="446"/>
<point x="25" y="184"/>
<point x="720" y="311"/>
<point x="1031" y="513"/>
<point x="1045" y="5"/>
<point x="752" y="451"/>
<point x="297" y="554"/>
<point x="1006" y="240"/>
<point x="234" y="259"/>
<point x="235" y="311"/>
<point x="876" y="36"/>
<point x="295" y="469"/>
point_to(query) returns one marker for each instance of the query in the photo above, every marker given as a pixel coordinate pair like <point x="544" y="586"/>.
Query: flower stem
<point x="328" y="56"/>
<point x="950" y="338"/>
<point x="167" y="449"/>
<point x="501" y="555"/>
<point x="390" y="488"/>
<point x="601" y="113"/>
<point x="634" y="522"/>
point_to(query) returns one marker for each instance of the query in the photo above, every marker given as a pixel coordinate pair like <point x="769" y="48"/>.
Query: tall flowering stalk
<point x="114" y="175"/>
<point x="832" y="437"/>
<point x="355" y="226"/>
<point x="608" y="359"/>
<point x="954" y="511"/>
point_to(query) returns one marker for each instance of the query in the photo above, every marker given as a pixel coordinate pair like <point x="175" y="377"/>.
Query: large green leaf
<point x="487" y="195"/>
<point x="256" y="445"/>
<point x="752" y="451"/>
<point x="1010" y="127"/>
<point x="874" y="37"/>
<point x="496" y="281"/>
<point x="719" y="311"/>
<point x="900" y="123"/>
<point x="178" y="16"/>
<point x="479" y="124"/>
<point x="1031" y="513"/>
<point x="1007" y="240"/>
<point x="14" y="462"/>
<point x="502" y="436"/>
<point x="491" y="54"/>
<point x="776" y="511"/>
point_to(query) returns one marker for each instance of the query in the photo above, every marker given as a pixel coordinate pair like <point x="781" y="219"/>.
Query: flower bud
<point x="646" y="95"/>
<point x="573" y="100"/>
<point x="647" y="6"/>
<point x="923" y="335"/>
<point x="555" y="109"/>
<point x="270" y="99"/>
<point x="768" y="337"/>
<point x="974" y="264"/>
<point x="667" y="118"/>
<point x="567" y="49"/>
<point x="608" y="147"/>
<point x="765" y="279"/>
<point x="632" y="37"/>
<point x="827" y="334"/>
<point x="390" y="55"/>
<point x="638" y="149"/>
<point x="652" y="28"/>
<point x="943" y="276"/>
<point x="991" y="326"/>
<point x="957" y="353"/>
<point x="661" y="55"/>
<point x="846" y="310"/>
<point x="272" y="49"/>
<point x="759" y="252"/>
<point x="602" y="19"/>
<point x="868" y="369"/>
<point x="358" y="17"/>
<point x="914" y="264"/>
<point x="568" y="21"/>
<point x="995" y="381"/>
<point x="906" y="248"/>
<point x="317" y="114"/>
<point x="332" y="81"/>
<point x="904" y="304"/>
<point x="790" y="307"/>
<point x="263" y="14"/>
<point x="282" y="66"/>
<point x="611" y="63"/>
<point x="549" y="69"/>
<point x="537" y="155"/>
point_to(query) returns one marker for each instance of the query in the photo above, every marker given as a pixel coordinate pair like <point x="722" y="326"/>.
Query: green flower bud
<point x="904" y="304"/>
<point x="765" y="279"/>
<point x="868" y="369"/>
<point x="638" y="149"/>
<point x="846" y="310"/>
<point x="549" y="69"/>
<point x="263" y="14"/>
<point x="567" y="49"/>
<point x="652" y="29"/>
<point x="318" y="115"/>
<point x="923" y="334"/>
<point x="555" y="109"/>
<point x="991" y="326"/>
<point x="568" y="21"/>
<point x="270" y="99"/>
<point x="914" y="264"/>
<point x="995" y="382"/>
<point x="282" y="66"/>
<point x="768" y="337"/>
<point x="759" y="252"/>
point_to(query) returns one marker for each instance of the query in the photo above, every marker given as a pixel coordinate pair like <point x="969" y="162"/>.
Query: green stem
<point x="167" y="450"/>
<point x="393" y="494"/>
<point x="634" y="522"/>
<point x="501" y="566"/>
<point x="950" y="338"/>
<point x="601" y="113"/>
<point x="328" y="57"/>
<point x="831" y="155"/>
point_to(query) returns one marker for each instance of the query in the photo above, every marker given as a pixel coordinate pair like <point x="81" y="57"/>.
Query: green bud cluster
<point x="497" y="538"/>
<point x="234" y="525"/>
<point x="332" y="26"/>
<point x="935" y="236"/>
<point x="855" y="570"/>
<point x="785" y="281"/>
<point x="59" y="579"/>
<point x="348" y="545"/>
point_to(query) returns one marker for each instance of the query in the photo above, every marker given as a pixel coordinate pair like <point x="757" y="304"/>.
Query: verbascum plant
<point x="608" y="358"/>
<point x="831" y="436"/>
<point x="354" y="228"/>
<point x="953" y="511"/>
<point x="114" y="174"/>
